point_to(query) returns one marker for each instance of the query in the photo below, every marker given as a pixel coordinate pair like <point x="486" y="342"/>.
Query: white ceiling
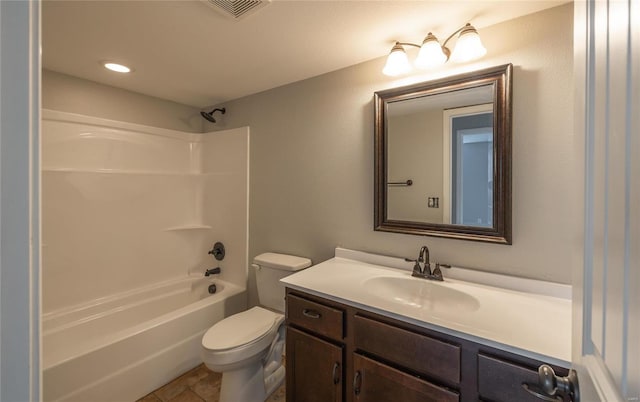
<point x="187" y="52"/>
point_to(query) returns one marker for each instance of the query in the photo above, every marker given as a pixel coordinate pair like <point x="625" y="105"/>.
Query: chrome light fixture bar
<point x="468" y="47"/>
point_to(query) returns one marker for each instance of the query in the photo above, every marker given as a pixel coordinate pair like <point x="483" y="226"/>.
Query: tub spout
<point x="212" y="271"/>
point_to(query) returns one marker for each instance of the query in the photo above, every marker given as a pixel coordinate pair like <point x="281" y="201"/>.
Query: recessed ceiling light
<point x="119" y="68"/>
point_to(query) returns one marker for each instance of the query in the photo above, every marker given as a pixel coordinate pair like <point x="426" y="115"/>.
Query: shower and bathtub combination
<point x="129" y="213"/>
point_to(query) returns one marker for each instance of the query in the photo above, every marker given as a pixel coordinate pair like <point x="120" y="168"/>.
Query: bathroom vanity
<point x="358" y="331"/>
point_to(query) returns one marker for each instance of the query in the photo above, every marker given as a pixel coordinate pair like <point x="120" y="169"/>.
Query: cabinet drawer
<point x="315" y="317"/>
<point x="502" y="381"/>
<point x="412" y="350"/>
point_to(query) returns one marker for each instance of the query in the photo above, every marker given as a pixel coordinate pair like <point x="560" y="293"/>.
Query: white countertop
<point x="535" y="322"/>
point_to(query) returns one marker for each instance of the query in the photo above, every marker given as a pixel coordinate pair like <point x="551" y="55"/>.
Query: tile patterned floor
<point x="197" y="385"/>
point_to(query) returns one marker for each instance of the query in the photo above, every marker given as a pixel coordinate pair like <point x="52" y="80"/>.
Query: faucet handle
<point x="417" y="269"/>
<point x="217" y="251"/>
<point x="437" y="272"/>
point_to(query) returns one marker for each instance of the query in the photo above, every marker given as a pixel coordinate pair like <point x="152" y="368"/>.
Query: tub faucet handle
<point x="217" y="251"/>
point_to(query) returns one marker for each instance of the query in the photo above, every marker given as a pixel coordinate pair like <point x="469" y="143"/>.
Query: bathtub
<point x="124" y="346"/>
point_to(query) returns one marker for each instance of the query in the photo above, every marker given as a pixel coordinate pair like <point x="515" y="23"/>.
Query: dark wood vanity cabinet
<point x="336" y="352"/>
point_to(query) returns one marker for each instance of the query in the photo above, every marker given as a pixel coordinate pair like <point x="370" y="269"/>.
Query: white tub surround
<point x="129" y="213"/>
<point x="527" y="317"/>
<point x="123" y="347"/>
<point x="125" y="205"/>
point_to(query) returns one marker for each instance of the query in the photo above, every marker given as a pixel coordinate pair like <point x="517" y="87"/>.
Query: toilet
<point x="247" y="347"/>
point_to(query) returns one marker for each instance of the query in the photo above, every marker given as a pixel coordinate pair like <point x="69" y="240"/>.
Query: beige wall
<point x="415" y="152"/>
<point x="311" y="163"/>
<point x="74" y="95"/>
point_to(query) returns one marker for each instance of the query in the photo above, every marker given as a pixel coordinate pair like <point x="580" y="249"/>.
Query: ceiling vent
<point x="237" y="9"/>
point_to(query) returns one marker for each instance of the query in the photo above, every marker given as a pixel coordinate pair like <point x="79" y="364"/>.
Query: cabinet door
<point x="376" y="382"/>
<point x="314" y="369"/>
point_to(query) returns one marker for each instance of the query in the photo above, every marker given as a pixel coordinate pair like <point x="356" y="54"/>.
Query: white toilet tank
<point x="270" y="268"/>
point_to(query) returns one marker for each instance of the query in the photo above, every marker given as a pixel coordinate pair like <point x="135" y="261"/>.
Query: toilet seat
<point x="240" y="336"/>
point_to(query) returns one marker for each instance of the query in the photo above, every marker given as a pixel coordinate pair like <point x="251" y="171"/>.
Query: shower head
<point x="209" y="115"/>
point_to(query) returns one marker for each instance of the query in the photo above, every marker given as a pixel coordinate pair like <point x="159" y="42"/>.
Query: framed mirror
<point x="443" y="157"/>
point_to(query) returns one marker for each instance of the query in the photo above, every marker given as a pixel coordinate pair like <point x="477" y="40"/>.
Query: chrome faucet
<point x="423" y="257"/>
<point x="424" y="271"/>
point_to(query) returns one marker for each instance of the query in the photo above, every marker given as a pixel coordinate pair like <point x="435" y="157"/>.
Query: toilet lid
<point x="240" y="329"/>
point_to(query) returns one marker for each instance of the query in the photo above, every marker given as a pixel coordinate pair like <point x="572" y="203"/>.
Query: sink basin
<point x="420" y="293"/>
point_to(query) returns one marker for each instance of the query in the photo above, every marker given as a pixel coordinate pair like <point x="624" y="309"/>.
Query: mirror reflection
<point x="443" y="143"/>
<point x="441" y="148"/>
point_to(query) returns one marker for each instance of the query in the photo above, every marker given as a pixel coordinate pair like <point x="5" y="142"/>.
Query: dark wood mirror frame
<point x="500" y="233"/>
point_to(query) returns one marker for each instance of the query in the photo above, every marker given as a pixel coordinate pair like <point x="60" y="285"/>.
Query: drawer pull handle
<point x="357" y="382"/>
<point x="336" y="373"/>
<point x="532" y="390"/>
<point x="311" y="313"/>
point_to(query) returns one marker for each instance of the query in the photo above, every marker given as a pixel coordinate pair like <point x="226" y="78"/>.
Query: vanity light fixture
<point x="118" y="68"/>
<point x="468" y="47"/>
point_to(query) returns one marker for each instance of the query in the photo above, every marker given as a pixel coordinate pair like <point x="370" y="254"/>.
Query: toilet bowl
<point x="247" y="347"/>
<point x="241" y="347"/>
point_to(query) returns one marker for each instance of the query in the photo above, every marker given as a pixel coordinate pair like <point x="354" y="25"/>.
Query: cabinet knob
<point x="555" y="388"/>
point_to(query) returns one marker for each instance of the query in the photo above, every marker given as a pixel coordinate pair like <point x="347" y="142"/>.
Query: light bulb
<point x="119" y="68"/>
<point x="469" y="46"/>
<point x="397" y="62"/>
<point x="431" y="53"/>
